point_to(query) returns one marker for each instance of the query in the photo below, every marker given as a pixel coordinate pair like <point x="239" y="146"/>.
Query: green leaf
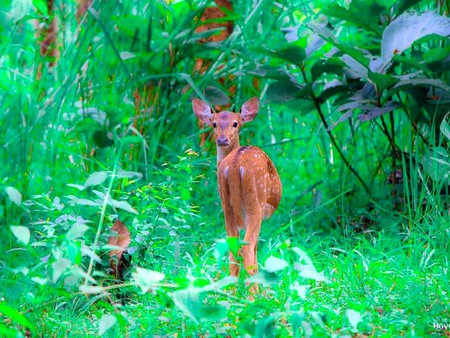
<point x="124" y="205"/>
<point x="22" y="233"/>
<point x="91" y="289"/>
<point x="14" y="195"/>
<point x="135" y="139"/>
<point x="96" y="178"/>
<point x="445" y="127"/>
<point x="330" y="66"/>
<point x="190" y="302"/>
<point x="418" y="82"/>
<point x="185" y="194"/>
<point x="358" y="54"/>
<point x="363" y="13"/>
<point x="20" y="9"/>
<point x="282" y="91"/>
<point x="81" y="201"/>
<point x="264" y="278"/>
<point x="265" y="327"/>
<point x="382" y="81"/>
<point x="216" y="96"/>
<point x="41" y="6"/>
<point x="234" y="244"/>
<point x="77" y="230"/>
<point x="274" y="264"/>
<point x="220" y="284"/>
<point x="298" y="320"/>
<point x="332" y="88"/>
<point x="59" y="267"/>
<point x="403" y="5"/>
<point x="293" y="54"/>
<point x="128" y="174"/>
<point x="401" y="33"/>
<point x="8" y="332"/>
<point x="370" y="112"/>
<point x="105" y="323"/>
<point x="221" y="250"/>
<point x="146" y="279"/>
<point x="127" y="55"/>
<point x="354" y="317"/>
<point x="309" y="272"/>
<point x="15" y="316"/>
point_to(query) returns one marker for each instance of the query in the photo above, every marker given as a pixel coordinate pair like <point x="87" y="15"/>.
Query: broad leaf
<point x="81" y="201"/>
<point x="128" y="174"/>
<point x="418" y="82"/>
<point x="146" y="279"/>
<point x="77" y="230"/>
<point x="358" y="54"/>
<point x="190" y="301"/>
<point x="16" y="317"/>
<point x="127" y="55"/>
<point x="382" y="81"/>
<point x="22" y="233"/>
<point x="282" y="91"/>
<point x="14" y="195"/>
<point x="445" y="128"/>
<point x="274" y="264"/>
<point x="331" y="66"/>
<point x="332" y="88"/>
<point x="408" y="28"/>
<point x="105" y="323"/>
<point x="403" y="5"/>
<point x="343" y="118"/>
<point x="293" y="54"/>
<point x="264" y="278"/>
<point x="371" y="112"/>
<point x="363" y="13"/>
<point x="216" y="96"/>
<point x="96" y="178"/>
<point x="91" y="289"/>
<point x="124" y="205"/>
<point x="265" y="327"/>
<point x="354" y="317"/>
<point x="59" y="267"/>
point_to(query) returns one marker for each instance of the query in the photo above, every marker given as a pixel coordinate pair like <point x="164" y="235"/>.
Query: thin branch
<point x="332" y="138"/>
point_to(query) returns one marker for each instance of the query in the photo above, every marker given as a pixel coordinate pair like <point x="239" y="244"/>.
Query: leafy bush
<point x="355" y="97"/>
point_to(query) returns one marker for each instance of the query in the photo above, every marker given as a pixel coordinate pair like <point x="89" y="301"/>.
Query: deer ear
<point x="249" y="109"/>
<point x="202" y="111"/>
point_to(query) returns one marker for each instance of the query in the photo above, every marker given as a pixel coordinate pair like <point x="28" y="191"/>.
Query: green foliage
<point x="353" y="95"/>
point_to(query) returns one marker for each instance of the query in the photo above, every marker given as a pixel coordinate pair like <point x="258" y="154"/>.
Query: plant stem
<point x="103" y="213"/>
<point x="333" y="140"/>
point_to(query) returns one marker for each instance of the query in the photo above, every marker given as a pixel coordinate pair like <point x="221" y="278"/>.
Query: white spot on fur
<point x="225" y="172"/>
<point x="242" y="170"/>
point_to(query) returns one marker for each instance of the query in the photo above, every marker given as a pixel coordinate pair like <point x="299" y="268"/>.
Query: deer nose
<point x="222" y="141"/>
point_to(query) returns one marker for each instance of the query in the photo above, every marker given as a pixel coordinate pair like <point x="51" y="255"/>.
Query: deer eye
<point x="214" y="124"/>
<point x="235" y="124"/>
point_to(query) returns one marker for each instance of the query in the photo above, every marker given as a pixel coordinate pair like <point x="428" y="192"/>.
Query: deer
<point x="249" y="185"/>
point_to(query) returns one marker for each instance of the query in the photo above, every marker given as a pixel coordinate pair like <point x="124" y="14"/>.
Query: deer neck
<point x="223" y="152"/>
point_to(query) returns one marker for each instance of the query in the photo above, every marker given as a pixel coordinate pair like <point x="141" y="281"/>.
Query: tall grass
<point x="113" y="118"/>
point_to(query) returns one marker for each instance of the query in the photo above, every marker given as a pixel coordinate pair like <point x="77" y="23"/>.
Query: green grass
<point x="113" y="118"/>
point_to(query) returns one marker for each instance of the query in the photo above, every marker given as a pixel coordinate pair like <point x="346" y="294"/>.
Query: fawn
<point x="249" y="185"/>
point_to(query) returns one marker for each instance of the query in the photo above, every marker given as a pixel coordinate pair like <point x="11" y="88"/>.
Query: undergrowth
<point x="358" y="131"/>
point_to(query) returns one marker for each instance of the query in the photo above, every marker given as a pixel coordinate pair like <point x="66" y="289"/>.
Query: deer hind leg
<point x="249" y="251"/>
